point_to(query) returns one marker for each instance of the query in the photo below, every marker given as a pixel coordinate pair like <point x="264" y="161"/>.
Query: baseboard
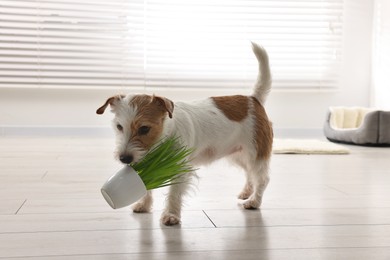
<point x="91" y="131"/>
<point x="298" y="132"/>
<point x="42" y="131"/>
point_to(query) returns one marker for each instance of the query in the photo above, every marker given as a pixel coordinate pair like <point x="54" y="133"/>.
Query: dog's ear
<point x="165" y="103"/>
<point x="111" y="101"/>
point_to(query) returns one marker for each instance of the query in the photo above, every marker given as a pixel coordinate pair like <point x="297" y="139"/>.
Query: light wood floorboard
<point x="315" y="207"/>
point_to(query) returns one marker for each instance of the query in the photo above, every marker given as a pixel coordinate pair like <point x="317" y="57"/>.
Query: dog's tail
<point x="264" y="79"/>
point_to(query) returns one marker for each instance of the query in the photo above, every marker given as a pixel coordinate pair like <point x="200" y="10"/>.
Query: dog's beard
<point x="133" y="149"/>
<point x="138" y="154"/>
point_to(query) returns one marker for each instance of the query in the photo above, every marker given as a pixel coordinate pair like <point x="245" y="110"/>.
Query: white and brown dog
<point x="235" y="127"/>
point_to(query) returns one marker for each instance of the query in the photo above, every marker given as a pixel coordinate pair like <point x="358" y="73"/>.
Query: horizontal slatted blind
<point x="172" y="43"/>
<point x="68" y="43"/>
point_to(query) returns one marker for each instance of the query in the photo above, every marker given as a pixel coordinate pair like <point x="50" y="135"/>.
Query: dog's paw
<point x="141" y="208"/>
<point x="244" y="195"/>
<point x="169" y="219"/>
<point x="246" y="192"/>
<point x="251" y="204"/>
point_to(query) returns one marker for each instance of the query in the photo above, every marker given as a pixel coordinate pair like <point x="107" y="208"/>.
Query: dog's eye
<point x="120" y="128"/>
<point x="143" y="130"/>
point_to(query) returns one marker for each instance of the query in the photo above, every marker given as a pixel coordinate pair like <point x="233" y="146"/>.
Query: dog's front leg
<point x="144" y="204"/>
<point x="172" y="213"/>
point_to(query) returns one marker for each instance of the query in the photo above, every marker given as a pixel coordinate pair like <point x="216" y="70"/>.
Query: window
<point x="170" y="44"/>
<point x="381" y="57"/>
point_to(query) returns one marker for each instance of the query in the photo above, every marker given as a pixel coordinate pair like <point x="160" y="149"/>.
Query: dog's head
<point x="138" y="123"/>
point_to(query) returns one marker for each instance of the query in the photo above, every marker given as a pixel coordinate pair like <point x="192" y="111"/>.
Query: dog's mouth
<point x="130" y="157"/>
<point x="129" y="154"/>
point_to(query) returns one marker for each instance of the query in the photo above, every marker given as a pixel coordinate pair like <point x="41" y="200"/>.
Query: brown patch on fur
<point x="233" y="107"/>
<point x="150" y="113"/>
<point x="111" y="101"/>
<point x="140" y="101"/>
<point x="165" y="103"/>
<point x="209" y="152"/>
<point x="263" y="131"/>
<point x="162" y="102"/>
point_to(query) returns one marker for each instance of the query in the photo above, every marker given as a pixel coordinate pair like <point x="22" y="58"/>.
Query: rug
<point x="307" y="146"/>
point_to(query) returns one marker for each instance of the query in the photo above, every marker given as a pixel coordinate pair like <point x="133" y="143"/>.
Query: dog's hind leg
<point x="259" y="178"/>
<point x="237" y="159"/>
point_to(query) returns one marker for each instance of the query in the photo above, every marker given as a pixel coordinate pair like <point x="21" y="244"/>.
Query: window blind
<point x="68" y="44"/>
<point x="168" y="44"/>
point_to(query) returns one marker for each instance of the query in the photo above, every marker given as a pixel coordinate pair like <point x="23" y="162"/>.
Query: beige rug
<point x="307" y="146"/>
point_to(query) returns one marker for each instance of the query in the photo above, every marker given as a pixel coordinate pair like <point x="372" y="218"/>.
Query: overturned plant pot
<point x="162" y="166"/>
<point x="123" y="188"/>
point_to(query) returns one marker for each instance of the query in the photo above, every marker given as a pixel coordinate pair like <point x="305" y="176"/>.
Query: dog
<point x="235" y="127"/>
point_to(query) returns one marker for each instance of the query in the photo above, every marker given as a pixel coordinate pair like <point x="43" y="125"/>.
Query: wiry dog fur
<point x="235" y="127"/>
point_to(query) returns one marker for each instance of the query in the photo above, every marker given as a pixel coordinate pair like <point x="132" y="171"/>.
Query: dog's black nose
<point x="126" y="159"/>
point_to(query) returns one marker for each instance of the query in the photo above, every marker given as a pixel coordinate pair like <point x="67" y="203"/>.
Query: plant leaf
<point x="164" y="164"/>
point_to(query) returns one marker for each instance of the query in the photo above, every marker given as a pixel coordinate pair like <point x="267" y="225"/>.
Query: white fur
<point x="203" y="126"/>
<point x="264" y="79"/>
<point x="125" y="115"/>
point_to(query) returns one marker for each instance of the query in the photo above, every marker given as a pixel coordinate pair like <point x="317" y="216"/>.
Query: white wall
<point x="288" y="110"/>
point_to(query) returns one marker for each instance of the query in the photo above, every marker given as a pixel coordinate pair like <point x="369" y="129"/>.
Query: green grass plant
<point x="164" y="164"/>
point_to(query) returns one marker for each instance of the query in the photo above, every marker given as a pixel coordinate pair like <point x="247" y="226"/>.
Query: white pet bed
<point x="357" y="125"/>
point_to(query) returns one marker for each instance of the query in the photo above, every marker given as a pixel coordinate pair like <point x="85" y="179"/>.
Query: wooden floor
<point x="316" y="207"/>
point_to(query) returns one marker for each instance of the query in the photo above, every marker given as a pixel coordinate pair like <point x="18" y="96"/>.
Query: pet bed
<point x="357" y="125"/>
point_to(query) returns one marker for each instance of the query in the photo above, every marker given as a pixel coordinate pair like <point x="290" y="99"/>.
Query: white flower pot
<point x="123" y="188"/>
